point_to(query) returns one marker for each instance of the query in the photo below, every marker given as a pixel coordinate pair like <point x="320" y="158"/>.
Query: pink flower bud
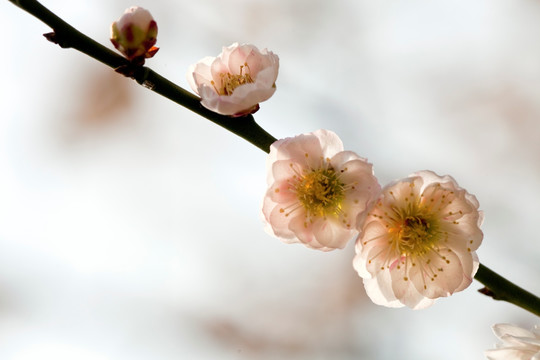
<point x="135" y="33"/>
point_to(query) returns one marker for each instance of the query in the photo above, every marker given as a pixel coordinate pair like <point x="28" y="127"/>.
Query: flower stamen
<point x="229" y="82"/>
<point x="320" y="192"/>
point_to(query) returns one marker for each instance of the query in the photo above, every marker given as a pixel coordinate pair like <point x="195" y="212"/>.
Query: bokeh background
<point x="130" y="227"/>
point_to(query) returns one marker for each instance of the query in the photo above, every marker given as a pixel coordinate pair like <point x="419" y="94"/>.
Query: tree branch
<point x="67" y="36"/>
<point x="499" y="288"/>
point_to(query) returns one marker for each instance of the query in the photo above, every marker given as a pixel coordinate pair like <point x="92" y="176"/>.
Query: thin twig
<point x="499" y="288"/>
<point x="67" y="36"/>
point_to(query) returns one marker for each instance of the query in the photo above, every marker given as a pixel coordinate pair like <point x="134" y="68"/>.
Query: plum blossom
<point x="135" y="34"/>
<point x="316" y="191"/>
<point x="517" y="343"/>
<point x="236" y="81"/>
<point x="418" y="241"/>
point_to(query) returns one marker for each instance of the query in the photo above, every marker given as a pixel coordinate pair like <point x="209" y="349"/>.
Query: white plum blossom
<point x="418" y="241"/>
<point x="236" y="81"/>
<point x="135" y="33"/>
<point x="316" y="191"/>
<point x="517" y="343"/>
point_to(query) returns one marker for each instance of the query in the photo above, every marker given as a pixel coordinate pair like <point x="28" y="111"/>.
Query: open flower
<point x="316" y="191"/>
<point x="235" y="82"/>
<point x="517" y="343"/>
<point x="135" y="34"/>
<point x="418" y="241"/>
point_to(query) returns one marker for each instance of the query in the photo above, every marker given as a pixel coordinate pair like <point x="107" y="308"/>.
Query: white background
<point x="130" y="227"/>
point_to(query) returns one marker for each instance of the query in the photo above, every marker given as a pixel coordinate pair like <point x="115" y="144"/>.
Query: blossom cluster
<point x="416" y="238"/>
<point x="232" y="84"/>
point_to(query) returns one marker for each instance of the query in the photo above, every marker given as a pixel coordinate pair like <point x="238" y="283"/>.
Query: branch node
<point x="148" y="84"/>
<point x="488" y="292"/>
<point x="129" y="70"/>
<point x="56" y="39"/>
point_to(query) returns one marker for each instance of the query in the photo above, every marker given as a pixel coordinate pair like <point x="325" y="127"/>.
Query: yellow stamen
<point x="320" y="192"/>
<point x="229" y="82"/>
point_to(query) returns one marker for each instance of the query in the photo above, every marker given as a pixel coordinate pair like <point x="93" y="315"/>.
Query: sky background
<point x="130" y="227"/>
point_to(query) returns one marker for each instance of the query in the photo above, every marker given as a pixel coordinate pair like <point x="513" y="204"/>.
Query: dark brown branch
<point x="67" y="36"/>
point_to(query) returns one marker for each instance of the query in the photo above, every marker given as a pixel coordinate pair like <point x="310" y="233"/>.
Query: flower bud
<point x="135" y="33"/>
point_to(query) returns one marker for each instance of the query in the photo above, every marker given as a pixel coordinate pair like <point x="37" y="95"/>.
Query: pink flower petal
<point x="331" y="235"/>
<point x="517" y="343"/>
<point x="440" y="277"/>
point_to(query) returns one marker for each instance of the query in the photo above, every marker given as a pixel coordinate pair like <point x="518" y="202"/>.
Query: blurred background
<point x="130" y="227"/>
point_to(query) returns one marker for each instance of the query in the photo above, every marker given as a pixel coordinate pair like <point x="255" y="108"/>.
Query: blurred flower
<point x="316" y="191"/>
<point x="517" y="343"/>
<point x="235" y="82"/>
<point x="418" y="241"/>
<point x="134" y="34"/>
